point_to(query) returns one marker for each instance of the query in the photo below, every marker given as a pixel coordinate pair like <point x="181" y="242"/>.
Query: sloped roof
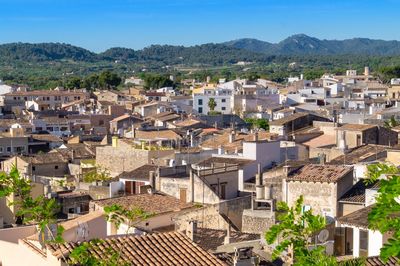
<point x="356" y="127"/>
<point x="357" y="193"/>
<point x="157" y="134"/>
<point x="45" y="158"/>
<point x="360" y="154"/>
<point x="141" y="172"/>
<point x="211" y="239"/>
<point x="282" y="121"/>
<point x="156" y="203"/>
<point x="321" y="141"/>
<point x="223" y="140"/>
<point x="155" y="249"/>
<point x="320" y="173"/>
<point x="358" y="218"/>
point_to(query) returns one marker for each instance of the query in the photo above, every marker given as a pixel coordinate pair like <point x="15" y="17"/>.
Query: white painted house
<point x="221" y="96"/>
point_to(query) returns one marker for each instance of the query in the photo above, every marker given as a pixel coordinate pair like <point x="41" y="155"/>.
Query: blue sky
<point x="98" y="25"/>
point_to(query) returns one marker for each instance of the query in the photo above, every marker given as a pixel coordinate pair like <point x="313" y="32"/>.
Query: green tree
<point x="257" y="123"/>
<point x="391" y="123"/>
<point x="38" y="210"/>
<point x="108" y="79"/>
<point x="212" y="104"/>
<point x="116" y="214"/>
<point x="384" y="215"/>
<point x="294" y="231"/>
<point x="97" y="175"/>
<point x="91" y="82"/>
<point x="156" y="81"/>
<point x="73" y="83"/>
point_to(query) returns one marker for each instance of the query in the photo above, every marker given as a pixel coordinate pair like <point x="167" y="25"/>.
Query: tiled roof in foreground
<point x="156" y="249"/>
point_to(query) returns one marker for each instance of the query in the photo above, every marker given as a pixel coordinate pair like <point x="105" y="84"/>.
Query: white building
<point x="222" y="98"/>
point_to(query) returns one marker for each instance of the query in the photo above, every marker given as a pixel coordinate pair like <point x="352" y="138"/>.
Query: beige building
<point x="321" y="186"/>
<point x="126" y="155"/>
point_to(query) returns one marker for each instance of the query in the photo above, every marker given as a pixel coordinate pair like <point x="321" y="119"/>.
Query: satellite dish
<point x="323" y="235"/>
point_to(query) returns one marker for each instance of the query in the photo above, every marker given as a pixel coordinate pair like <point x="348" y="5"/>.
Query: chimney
<point x="268" y="192"/>
<point x="342" y="141"/>
<point x="232" y="136"/>
<point x="152" y="180"/>
<point x="259" y="184"/>
<point x="192" y="229"/>
<point x="286" y="170"/>
<point x="191" y="180"/>
<point x="114" y="142"/>
<point x="228" y="238"/>
<point x="255" y="136"/>
<point x="133" y="132"/>
<point x="366" y="71"/>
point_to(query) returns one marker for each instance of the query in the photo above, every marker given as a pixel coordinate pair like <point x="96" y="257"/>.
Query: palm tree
<point x="212" y="104"/>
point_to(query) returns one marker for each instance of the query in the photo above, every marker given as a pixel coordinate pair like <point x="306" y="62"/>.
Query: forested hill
<point x="209" y="54"/>
<point x="212" y="54"/>
<point x="301" y="44"/>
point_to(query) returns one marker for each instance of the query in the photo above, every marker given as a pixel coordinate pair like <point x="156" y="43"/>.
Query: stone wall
<point x="319" y="196"/>
<point x="209" y="216"/>
<point x="234" y="208"/>
<point x="124" y="158"/>
<point x="206" y="217"/>
<point x="257" y="221"/>
<point x="99" y="192"/>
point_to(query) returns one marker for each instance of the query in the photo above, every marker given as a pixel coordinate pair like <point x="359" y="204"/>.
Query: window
<point x="200" y="110"/>
<point x="223" y="108"/>
<point x="200" y="101"/>
<point x="8" y="149"/>
<point x="223" y="100"/>
<point x="1" y="149"/>
<point x="358" y="140"/>
<point x="56" y="167"/>
<point x="363" y="243"/>
<point x="33" y="168"/>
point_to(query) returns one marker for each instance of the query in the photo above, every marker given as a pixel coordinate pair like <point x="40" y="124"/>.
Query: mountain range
<point x="211" y="53"/>
<point x="301" y="44"/>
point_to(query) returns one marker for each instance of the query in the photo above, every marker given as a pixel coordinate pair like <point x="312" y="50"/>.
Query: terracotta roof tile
<point x="210" y="239"/>
<point x="287" y="119"/>
<point x="363" y="153"/>
<point x="223" y="140"/>
<point x="320" y="173"/>
<point x="157" y="134"/>
<point x="358" y="218"/>
<point x="156" y="249"/>
<point x="357" y="193"/>
<point x="141" y="172"/>
<point x="356" y="127"/>
<point x="155" y="203"/>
